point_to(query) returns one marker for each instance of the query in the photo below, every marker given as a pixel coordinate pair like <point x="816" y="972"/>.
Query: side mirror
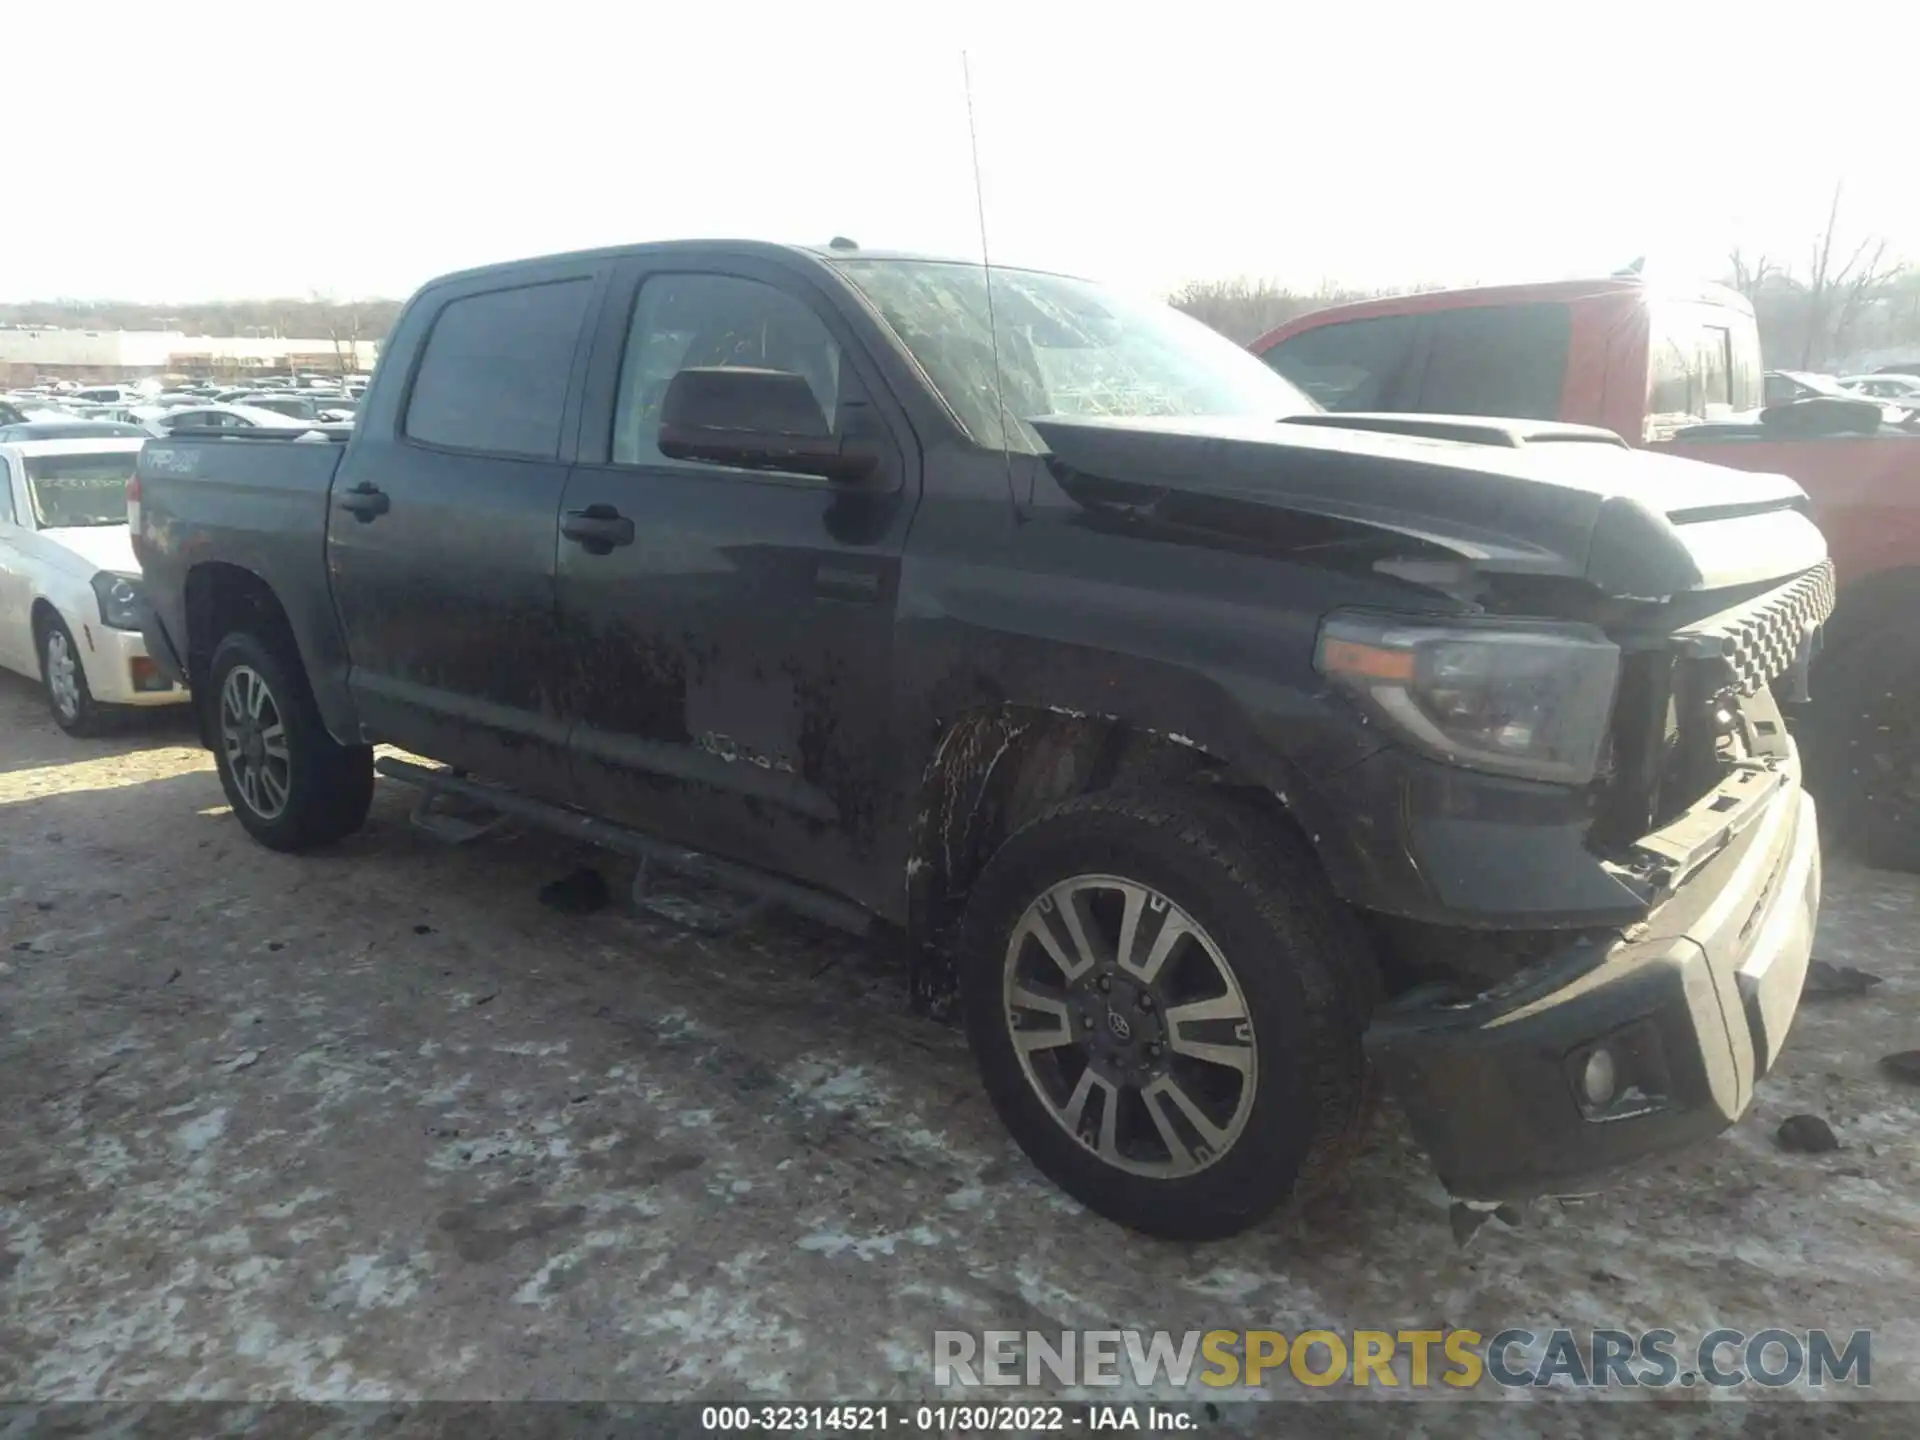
<point x="758" y="420"/>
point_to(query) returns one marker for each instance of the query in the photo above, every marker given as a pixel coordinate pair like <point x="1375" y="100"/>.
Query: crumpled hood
<point x="96" y="547"/>
<point x="1529" y="501"/>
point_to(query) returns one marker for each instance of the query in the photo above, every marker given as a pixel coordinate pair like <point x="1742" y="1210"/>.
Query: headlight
<point x="119" y="597"/>
<point x="1528" y="700"/>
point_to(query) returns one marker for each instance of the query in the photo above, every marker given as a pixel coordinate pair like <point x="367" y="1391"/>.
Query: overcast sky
<point x="157" y="152"/>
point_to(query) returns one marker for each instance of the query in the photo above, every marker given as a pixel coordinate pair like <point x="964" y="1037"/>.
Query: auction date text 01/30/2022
<point x="960" y="1419"/>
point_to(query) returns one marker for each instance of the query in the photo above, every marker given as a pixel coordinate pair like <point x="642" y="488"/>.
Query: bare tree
<point x="1835" y="298"/>
<point x="346" y="340"/>
<point x="343" y="329"/>
<point x="1244" y="309"/>
<point x="1749" y="279"/>
<point x="302" y="318"/>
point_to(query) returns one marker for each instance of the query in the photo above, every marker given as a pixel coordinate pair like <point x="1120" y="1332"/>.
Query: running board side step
<point x="694" y="864"/>
<point x="431" y="814"/>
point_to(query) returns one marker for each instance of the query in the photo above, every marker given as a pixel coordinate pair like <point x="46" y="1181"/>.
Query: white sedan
<point x="69" y="584"/>
<point x="221" y="417"/>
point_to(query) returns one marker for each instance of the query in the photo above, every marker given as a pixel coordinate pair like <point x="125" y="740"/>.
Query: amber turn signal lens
<point x="1372" y="662"/>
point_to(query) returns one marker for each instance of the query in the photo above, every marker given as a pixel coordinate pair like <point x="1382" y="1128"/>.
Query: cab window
<point x="1508" y="360"/>
<point x="1352" y="365"/>
<point x="493" y="377"/>
<point x="688" y="321"/>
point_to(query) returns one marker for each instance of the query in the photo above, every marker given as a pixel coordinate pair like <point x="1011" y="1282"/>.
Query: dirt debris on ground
<point x="378" y="1124"/>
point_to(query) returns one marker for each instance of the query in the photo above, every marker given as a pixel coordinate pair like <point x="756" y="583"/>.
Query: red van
<point x="1640" y="361"/>
<point x="1680" y="367"/>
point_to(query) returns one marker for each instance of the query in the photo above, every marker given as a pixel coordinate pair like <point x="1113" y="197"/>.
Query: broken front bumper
<point x="121" y="669"/>
<point x="1606" y="1055"/>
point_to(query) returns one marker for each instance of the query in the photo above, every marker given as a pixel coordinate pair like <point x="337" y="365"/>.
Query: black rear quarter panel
<point x="259" y="506"/>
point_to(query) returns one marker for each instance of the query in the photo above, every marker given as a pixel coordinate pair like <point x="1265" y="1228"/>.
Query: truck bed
<point x="258" y="501"/>
<point x="250" y="491"/>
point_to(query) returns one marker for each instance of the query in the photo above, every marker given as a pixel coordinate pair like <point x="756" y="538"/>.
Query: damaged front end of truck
<point x="1597" y="887"/>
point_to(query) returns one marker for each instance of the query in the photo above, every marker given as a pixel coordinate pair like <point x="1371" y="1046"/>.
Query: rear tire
<point x="1272" y="973"/>
<point x="291" y="784"/>
<point x="1864" y="765"/>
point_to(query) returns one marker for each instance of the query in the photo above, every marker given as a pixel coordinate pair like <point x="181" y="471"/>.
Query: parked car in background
<point x="327" y="406"/>
<point x="1175" y="722"/>
<point x="1679" y="369"/>
<point x="1793" y="387"/>
<point x="1901" y="389"/>
<point x="69" y="584"/>
<point x="294" y="406"/>
<point x="1782" y="387"/>
<point x="28" y="408"/>
<point x="223" y="417"/>
<point x="73" y="428"/>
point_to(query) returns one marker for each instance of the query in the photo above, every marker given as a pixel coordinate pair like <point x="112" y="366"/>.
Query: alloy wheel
<point x="253" y="738"/>
<point x="63" y="675"/>
<point x="1130" y="1026"/>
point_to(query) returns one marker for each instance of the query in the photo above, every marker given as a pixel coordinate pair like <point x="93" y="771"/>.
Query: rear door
<point x="443" y="524"/>
<point x="731" y="663"/>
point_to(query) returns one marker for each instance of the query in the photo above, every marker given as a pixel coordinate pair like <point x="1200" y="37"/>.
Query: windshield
<point x="1066" y="347"/>
<point x="1821" y="384"/>
<point x="79" y="490"/>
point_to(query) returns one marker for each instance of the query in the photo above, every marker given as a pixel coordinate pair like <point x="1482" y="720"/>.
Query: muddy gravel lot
<point x="378" y="1124"/>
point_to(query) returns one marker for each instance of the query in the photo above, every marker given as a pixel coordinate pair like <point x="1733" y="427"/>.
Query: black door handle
<point x="365" y="500"/>
<point x="597" y="529"/>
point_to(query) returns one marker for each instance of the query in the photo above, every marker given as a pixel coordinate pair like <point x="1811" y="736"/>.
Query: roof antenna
<point x="986" y="267"/>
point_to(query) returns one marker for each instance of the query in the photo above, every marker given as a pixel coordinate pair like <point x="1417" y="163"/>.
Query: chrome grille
<point x="1761" y="638"/>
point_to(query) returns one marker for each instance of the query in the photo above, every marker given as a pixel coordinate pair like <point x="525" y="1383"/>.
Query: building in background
<point x="32" y="354"/>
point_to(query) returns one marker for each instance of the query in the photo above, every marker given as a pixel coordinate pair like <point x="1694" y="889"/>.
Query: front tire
<point x="1165" y="1002"/>
<point x="291" y="784"/>
<point x="1866" y="749"/>
<point x="63" y="678"/>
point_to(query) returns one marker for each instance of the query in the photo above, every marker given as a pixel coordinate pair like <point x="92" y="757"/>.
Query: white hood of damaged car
<point x="99" y="547"/>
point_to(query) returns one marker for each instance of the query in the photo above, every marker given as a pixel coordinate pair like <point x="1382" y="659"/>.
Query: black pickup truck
<point x="1212" y="753"/>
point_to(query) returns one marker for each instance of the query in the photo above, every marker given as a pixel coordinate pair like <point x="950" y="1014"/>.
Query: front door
<point x="16" y="628"/>
<point x="442" y="533"/>
<point x="731" y="654"/>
